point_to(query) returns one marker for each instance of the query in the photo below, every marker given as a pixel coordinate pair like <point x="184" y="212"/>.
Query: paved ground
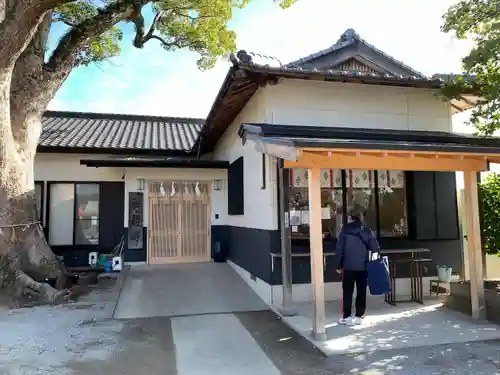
<point x="186" y="289"/>
<point x="408" y="325"/>
<point x="84" y="339"/>
<point x="267" y="347"/>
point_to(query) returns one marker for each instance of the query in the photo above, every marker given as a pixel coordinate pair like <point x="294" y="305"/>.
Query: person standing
<point x="355" y="242"/>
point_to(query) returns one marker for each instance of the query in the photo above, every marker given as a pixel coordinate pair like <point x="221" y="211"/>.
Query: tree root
<point x="42" y="293"/>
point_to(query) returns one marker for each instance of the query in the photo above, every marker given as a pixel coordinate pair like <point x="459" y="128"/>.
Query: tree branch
<point x="66" y="52"/>
<point x="62" y="20"/>
<point x="141" y="38"/>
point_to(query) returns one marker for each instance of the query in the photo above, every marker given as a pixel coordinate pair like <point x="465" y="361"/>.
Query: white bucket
<point x="93" y="257"/>
<point x="117" y="264"/>
<point x="444" y="274"/>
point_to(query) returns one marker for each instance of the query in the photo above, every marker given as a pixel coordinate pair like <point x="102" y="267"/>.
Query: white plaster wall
<point x="173" y="174"/>
<point x="298" y="102"/>
<point x="272" y="294"/>
<point x="66" y="167"/>
<point x="260" y="205"/>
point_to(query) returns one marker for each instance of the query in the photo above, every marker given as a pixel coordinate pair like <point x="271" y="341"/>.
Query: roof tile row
<point x="121" y="132"/>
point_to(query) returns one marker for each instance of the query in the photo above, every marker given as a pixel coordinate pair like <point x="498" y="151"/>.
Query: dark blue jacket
<point x="355" y="242"/>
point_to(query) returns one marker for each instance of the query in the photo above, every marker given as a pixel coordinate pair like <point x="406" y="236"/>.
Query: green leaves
<point x="100" y="47"/>
<point x="480" y="21"/>
<point x="198" y="25"/>
<point x="489" y="209"/>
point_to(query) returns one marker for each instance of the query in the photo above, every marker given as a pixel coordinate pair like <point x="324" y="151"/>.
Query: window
<point x="381" y="193"/>
<point x="360" y="185"/>
<point x="61" y="208"/>
<point x="86" y="214"/>
<point x="235" y="187"/>
<point x="392" y="204"/>
<point x="331" y="203"/>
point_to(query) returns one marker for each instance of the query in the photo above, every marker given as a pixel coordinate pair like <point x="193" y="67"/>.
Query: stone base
<point x="459" y="299"/>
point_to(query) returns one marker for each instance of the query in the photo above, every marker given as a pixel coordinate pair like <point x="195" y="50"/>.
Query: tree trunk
<point x="26" y="260"/>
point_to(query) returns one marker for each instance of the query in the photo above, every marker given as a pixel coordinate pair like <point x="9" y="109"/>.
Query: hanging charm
<point x="172" y="193"/>
<point x="197" y="189"/>
<point x="162" y="190"/>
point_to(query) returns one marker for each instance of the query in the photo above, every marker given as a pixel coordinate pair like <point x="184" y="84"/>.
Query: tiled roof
<point x="243" y="58"/>
<point x="118" y="132"/>
<point x="346" y="39"/>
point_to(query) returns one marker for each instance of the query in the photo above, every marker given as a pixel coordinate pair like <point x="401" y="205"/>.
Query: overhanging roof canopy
<point x="307" y="147"/>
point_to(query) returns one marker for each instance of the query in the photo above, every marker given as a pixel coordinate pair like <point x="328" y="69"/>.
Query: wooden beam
<point x="387" y="161"/>
<point x="472" y="155"/>
<point x="316" y="243"/>
<point x="474" y="251"/>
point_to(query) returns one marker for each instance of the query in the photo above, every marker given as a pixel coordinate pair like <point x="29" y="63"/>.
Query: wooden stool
<point x="437" y="283"/>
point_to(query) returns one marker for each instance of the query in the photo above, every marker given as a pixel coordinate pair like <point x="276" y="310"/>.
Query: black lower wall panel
<point x="447" y="252"/>
<point x="251" y="249"/>
<point x="78" y="255"/>
<point x="136" y="255"/>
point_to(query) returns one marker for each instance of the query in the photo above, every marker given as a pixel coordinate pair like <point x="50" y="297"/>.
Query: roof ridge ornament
<point x="254" y="59"/>
<point x="348" y="36"/>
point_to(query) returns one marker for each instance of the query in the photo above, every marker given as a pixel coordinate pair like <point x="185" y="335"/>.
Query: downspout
<point x="200" y="139"/>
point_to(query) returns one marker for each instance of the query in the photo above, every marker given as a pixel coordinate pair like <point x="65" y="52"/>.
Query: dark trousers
<point x="349" y="279"/>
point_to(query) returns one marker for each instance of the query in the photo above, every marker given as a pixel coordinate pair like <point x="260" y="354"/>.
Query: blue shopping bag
<point x="379" y="280"/>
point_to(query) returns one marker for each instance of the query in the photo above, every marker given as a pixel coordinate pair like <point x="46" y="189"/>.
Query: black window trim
<point x="263" y="182"/>
<point x="42" y="201"/>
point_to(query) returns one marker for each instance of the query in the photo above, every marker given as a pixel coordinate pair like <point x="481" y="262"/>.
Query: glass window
<point x="360" y="184"/>
<point x="61" y="211"/>
<point x="392" y="204"/>
<point x="331" y="203"/>
<point x="87" y="214"/>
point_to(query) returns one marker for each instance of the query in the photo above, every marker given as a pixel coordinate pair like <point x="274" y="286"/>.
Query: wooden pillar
<point x="474" y="251"/>
<point x="316" y="239"/>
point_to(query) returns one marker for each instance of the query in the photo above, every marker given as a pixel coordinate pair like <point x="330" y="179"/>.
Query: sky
<point x="152" y="81"/>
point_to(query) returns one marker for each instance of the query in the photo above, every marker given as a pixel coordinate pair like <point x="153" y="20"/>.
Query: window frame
<point x="406" y="209"/>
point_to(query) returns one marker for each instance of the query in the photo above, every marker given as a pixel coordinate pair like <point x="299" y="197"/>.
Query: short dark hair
<point x="355" y="217"/>
<point x="355" y="212"/>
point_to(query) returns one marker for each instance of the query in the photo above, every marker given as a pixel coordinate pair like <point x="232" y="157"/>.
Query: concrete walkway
<point x="185" y="290"/>
<point x="408" y="325"/>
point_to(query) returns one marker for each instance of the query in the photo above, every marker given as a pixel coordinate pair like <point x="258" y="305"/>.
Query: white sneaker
<point x="347" y="321"/>
<point x="357" y="321"/>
